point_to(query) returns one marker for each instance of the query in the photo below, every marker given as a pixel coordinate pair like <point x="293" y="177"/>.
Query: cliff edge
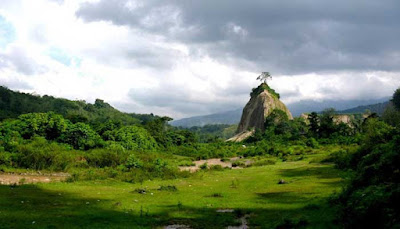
<point x="262" y="102"/>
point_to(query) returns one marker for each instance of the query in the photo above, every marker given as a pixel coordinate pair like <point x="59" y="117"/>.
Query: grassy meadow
<point x="254" y="192"/>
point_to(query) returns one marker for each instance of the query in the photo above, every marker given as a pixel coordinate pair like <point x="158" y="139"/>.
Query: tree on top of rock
<point x="264" y="77"/>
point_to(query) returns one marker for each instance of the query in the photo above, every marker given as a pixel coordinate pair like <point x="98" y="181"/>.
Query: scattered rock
<point x="177" y="226"/>
<point x="282" y="181"/>
<point x="225" y="210"/>
<point x="140" y="190"/>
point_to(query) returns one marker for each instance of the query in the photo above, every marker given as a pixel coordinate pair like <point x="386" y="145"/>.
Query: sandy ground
<point x="30" y="178"/>
<point x="213" y="161"/>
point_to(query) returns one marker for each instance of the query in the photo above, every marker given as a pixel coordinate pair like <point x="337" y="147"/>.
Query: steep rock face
<point x="262" y="102"/>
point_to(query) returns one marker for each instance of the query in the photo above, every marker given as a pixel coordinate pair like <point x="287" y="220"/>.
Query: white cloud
<point x="55" y="52"/>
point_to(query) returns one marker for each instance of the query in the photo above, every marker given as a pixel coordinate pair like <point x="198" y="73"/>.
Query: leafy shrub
<point x="311" y="142"/>
<point x="134" y="138"/>
<point x="204" y="166"/>
<point x="39" y="154"/>
<point x="238" y="164"/>
<point x="341" y="158"/>
<point x="81" y="136"/>
<point x="133" y="162"/>
<point x="371" y="199"/>
<point x="105" y="157"/>
<point x="6" y="159"/>
<point x="48" y="125"/>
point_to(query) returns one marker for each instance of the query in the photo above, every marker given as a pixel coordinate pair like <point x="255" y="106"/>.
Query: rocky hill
<point x="263" y="101"/>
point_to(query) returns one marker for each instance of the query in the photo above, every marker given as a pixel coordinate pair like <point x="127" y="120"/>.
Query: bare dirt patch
<point x="30" y="178"/>
<point x="212" y="162"/>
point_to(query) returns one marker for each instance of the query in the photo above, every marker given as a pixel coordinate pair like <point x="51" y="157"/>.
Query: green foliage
<point x="213" y="132"/>
<point x="134" y="138"/>
<point x="9" y="136"/>
<point x="258" y="90"/>
<point x="372" y="197"/>
<point x="327" y="125"/>
<point x="13" y="104"/>
<point x="204" y="166"/>
<point x="391" y="115"/>
<point x="133" y="162"/>
<point x="158" y="129"/>
<point x="311" y="142"/>
<point x="275" y="118"/>
<point x="106" y="157"/>
<point x="396" y="99"/>
<point x="48" y="125"/>
<point x="40" y="154"/>
<point x="81" y="136"/>
<point x="314" y="123"/>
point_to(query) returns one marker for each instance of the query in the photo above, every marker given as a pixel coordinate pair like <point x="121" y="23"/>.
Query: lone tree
<point x="264" y="77"/>
<point x="396" y="99"/>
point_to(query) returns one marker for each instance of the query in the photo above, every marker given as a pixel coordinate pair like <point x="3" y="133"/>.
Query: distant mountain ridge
<point x="304" y="106"/>
<point x="228" y="117"/>
<point x="378" y="108"/>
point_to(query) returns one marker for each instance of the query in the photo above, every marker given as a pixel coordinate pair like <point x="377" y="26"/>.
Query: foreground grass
<point x="112" y="204"/>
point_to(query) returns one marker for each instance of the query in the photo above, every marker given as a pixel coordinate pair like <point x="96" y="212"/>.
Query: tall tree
<point x="264" y="77"/>
<point x="314" y="122"/>
<point x="396" y="99"/>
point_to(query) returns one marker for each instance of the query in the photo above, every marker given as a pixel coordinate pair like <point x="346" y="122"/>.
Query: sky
<point x="184" y="57"/>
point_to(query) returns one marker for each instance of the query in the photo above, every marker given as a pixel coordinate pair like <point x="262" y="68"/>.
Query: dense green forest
<point x="96" y="141"/>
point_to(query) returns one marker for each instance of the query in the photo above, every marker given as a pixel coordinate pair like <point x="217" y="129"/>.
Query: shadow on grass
<point x="286" y="197"/>
<point x="321" y="172"/>
<point x="30" y="206"/>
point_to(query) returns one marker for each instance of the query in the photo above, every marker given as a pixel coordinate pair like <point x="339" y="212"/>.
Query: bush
<point x="81" y="136"/>
<point x="372" y="197"/>
<point x="133" y="162"/>
<point x="134" y="138"/>
<point x="311" y="142"/>
<point x="238" y="164"/>
<point x="105" y="157"/>
<point x="39" y="154"/>
<point x="204" y="166"/>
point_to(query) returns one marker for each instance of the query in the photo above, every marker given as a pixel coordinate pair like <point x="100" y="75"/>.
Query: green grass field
<point x="254" y="191"/>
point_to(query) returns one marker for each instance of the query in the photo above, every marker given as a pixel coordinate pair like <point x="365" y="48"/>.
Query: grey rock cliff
<point x="256" y="110"/>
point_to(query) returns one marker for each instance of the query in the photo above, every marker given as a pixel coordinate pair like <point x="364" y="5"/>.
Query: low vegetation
<point x="124" y="170"/>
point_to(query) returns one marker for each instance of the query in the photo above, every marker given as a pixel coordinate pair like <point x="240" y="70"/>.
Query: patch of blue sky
<point x="7" y="32"/>
<point x="63" y="57"/>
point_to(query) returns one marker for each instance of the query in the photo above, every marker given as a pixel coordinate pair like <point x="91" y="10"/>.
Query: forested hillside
<point x="13" y="104"/>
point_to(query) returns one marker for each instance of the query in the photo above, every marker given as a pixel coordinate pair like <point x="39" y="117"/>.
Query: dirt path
<point x="30" y="178"/>
<point x="211" y="162"/>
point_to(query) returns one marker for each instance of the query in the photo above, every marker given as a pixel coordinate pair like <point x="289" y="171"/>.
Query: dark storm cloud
<point x="180" y="101"/>
<point x="282" y="36"/>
